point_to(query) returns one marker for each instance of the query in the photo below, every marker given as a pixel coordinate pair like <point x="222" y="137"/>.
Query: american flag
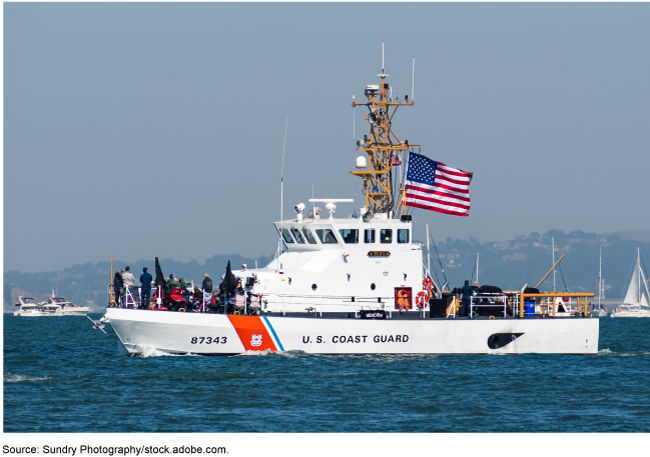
<point x="435" y="186"/>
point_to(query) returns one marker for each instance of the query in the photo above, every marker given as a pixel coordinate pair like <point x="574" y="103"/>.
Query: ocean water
<point x="62" y="376"/>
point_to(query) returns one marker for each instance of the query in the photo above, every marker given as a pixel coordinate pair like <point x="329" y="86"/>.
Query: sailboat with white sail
<point x="635" y="303"/>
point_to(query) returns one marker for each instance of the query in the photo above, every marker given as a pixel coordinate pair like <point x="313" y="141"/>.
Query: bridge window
<point x="298" y="236"/>
<point x="386" y="236"/>
<point x="369" y="236"/>
<point x="326" y="236"/>
<point x="402" y="235"/>
<point x="350" y="236"/>
<point x="309" y="236"/>
<point x="287" y="235"/>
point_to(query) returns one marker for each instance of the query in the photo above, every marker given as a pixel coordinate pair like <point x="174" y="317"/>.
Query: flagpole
<point x="284" y="145"/>
<point x="428" y="252"/>
<point x="407" y="161"/>
<point x="110" y="284"/>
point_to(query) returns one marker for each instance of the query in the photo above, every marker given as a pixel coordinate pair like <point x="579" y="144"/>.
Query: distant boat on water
<point x="635" y="303"/>
<point x="58" y="306"/>
<point x="54" y="306"/>
<point x="28" y="308"/>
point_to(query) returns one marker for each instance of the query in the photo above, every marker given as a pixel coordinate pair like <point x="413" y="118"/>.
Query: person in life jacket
<point x="182" y="285"/>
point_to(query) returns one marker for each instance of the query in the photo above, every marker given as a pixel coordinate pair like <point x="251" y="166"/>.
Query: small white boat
<point x="58" y="306"/>
<point x="630" y="311"/>
<point x="635" y="303"/>
<point x="28" y="308"/>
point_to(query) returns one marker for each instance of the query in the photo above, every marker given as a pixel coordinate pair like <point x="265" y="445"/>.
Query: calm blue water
<point x="60" y="375"/>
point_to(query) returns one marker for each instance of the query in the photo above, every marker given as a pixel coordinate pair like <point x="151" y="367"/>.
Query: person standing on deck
<point x="145" y="279"/>
<point x="468" y="292"/>
<point x="206" y="285"/>
<point x="118" y="286"/>
<point x="129" y="281"/>
<point x="128" y="277"/>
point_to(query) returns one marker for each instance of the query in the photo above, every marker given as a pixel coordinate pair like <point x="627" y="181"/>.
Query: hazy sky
<point x="156" y="129"/>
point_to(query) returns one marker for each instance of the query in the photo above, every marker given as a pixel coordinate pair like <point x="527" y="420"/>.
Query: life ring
<point x="181" y="310"/>
<point x="427" y="284"/>
<point x="420" y="299"/>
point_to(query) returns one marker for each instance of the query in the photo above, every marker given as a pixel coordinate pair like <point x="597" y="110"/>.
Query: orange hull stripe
<point x="252" y="333"/>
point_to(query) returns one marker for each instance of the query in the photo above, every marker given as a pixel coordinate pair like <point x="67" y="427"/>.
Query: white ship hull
<point x="29" y="313"/>
<point x="80" y="311"/>
<point x="77" y="312"/>
<point x="67" y="313"/>
<point x="219" y="334"/>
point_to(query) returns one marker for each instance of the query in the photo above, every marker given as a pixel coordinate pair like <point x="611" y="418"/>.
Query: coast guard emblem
<point x="256" y="340"/>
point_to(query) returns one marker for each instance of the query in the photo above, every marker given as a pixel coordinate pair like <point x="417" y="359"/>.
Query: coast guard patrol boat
<point x="356" y="285"/>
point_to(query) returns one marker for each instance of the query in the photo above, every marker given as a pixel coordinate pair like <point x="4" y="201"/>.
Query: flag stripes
<point x="434" y="186"/>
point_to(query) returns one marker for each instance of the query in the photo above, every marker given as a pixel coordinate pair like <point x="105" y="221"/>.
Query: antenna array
<point x="382" y="145"/>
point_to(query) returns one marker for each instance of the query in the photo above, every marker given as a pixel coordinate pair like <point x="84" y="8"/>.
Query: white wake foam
<point x="10" y="377"/>
<point x="144" y="351"/>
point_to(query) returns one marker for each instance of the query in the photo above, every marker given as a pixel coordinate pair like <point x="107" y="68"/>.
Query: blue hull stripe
<point x="275" y="335"/>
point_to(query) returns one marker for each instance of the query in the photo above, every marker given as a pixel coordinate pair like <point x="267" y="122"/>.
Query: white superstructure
<point x="336" y="265"/>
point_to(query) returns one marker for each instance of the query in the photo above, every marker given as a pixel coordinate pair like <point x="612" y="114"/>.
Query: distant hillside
<point x="633" y="235"/>
<point x="509" y="265"/>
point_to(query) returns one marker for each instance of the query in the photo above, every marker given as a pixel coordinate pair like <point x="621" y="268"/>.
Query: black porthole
<point x="372" y="286"/>
<point x="314" y="287"/>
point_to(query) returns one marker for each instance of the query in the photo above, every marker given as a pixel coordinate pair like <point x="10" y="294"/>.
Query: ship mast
<point x="382" y="145"/>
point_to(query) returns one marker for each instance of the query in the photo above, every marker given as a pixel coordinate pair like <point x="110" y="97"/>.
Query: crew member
<point x="145" y="279"/>
<point x="468" y="292"/>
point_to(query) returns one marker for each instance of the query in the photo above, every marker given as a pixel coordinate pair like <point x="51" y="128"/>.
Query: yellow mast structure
<point x="382" y="145"/>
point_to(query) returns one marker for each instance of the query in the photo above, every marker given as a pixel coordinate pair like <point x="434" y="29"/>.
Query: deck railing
<point x="552" y="295"/>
